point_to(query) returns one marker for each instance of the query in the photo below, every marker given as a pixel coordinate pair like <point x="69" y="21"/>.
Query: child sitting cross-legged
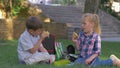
<point x="30" y="48"/>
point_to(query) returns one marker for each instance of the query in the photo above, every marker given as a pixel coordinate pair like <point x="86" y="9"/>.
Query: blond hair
<point x="95" y="19"/>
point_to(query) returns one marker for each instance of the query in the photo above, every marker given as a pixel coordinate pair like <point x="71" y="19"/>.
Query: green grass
<point x="8" y="55"/>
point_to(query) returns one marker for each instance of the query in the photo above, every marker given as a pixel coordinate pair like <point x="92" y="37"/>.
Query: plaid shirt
<point x="89" y="44"/>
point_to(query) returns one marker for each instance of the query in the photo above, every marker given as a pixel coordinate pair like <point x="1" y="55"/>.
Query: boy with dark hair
<point x="30" y="48"/>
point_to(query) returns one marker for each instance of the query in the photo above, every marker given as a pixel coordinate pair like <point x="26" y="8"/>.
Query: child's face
<point x="87" y="26"/>
<point x="36" y="32"/>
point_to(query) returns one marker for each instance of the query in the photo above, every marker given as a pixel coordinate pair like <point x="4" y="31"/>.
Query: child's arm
<point x="97" y="50"/>
<point x="90" y="59"/>
<point x="74" y="39"/>
<point x="42" y="49"/>
<point x="38" y="45"/>
<point x="77" y="45"/>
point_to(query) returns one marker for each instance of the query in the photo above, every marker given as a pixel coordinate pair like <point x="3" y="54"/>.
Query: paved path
<point x="117" y="39"/>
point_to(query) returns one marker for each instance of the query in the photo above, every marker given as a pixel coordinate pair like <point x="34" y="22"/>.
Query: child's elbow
<point x="32" y="51"/>
<point x="78" y="48"/>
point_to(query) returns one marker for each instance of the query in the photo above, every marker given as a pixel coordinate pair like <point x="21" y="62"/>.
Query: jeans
<point x="95" y="62"/>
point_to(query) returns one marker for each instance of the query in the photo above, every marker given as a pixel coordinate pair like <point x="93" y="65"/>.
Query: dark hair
<point x="33" y="23"/>
<point x="70" y="49"/>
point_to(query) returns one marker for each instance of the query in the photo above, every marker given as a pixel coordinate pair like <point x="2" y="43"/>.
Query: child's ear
<point x="31" y="31"/>
<point x="92" y="24"/>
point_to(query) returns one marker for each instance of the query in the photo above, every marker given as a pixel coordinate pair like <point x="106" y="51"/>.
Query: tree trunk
<point x="11" y="8"/>
<point x="81" y="4"/>
<point x="68" y="2"/>
<point x="91" y="6"/>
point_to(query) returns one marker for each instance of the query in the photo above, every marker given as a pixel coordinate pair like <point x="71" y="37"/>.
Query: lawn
<point x="8" y="55"/>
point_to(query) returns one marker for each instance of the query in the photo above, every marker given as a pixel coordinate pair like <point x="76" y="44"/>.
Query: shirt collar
<point x="88" y="35"/>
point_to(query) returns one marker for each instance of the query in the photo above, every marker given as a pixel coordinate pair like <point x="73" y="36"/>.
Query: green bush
<point x="65" y="2"/>
<point x="108" y="8"/>
<point x="16" y="10"/>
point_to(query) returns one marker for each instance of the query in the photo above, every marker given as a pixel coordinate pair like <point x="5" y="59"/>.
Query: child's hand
<point x="44" y="34"/>
<point x="74" y="37"/>
<point x="88" y="61"/>
<point x="74" y="40"/>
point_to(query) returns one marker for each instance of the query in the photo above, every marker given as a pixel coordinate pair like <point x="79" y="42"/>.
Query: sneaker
<point x="52" y="58"/>
<point x="116" y="61"/>
<point x="73" y="55"/>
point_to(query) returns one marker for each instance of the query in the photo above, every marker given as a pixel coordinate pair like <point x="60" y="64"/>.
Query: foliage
<point x="19" y="10"/>
<point x="15" y="10"/>
<point x="15" y="7"/>
<point x="106" y="6"/>
<point x="71" y="2"/>
<point x="104" y="1"/>
<point x="65" y="2"/>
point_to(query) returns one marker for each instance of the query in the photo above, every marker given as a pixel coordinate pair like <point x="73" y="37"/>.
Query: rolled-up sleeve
<point x="97" y="45"/>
